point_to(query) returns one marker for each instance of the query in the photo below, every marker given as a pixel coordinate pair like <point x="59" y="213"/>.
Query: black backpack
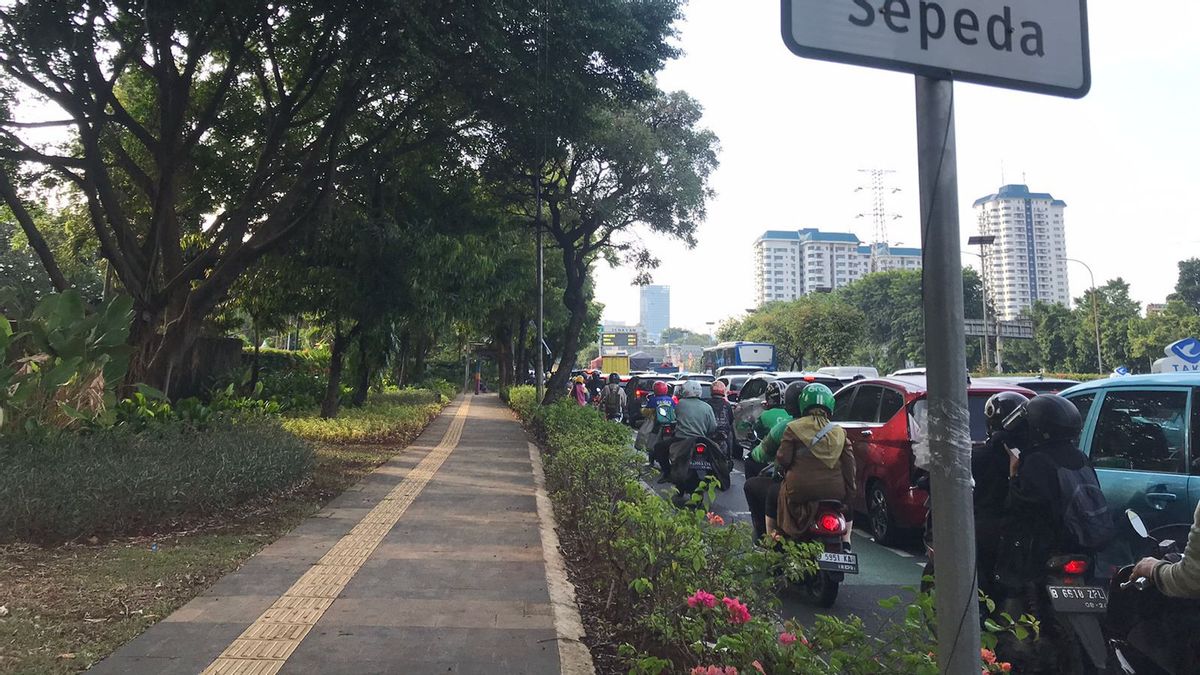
<point x="1085" y="514"/>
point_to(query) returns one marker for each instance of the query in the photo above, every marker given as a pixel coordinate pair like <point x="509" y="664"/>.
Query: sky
<point x="794" y="132"/>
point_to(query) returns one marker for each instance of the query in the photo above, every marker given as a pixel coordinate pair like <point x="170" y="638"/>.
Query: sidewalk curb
<point x="573" y="654"/>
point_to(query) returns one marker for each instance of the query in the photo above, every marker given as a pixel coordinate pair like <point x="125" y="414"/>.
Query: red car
<point x="882" y="418"/>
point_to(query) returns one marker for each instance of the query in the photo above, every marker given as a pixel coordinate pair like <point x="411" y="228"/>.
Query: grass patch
<point x="69" y="606"/>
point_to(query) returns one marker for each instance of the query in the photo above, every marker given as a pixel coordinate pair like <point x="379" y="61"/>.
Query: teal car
<point x="1142" y="433"/>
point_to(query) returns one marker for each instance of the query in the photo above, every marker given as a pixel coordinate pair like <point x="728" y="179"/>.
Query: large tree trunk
<point x="521" y="358"/>
<point x="255" y="364"/>
<point x="333" y="389"/>
<point x="363" y="377"/>
<point x="576" y="303"/>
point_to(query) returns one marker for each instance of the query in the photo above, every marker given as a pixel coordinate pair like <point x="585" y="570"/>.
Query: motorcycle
<point x="828" y="528"/>
<point x="1069" y="609"/>
<point x="695" y="461"/>
<point x="1145" y="634"/>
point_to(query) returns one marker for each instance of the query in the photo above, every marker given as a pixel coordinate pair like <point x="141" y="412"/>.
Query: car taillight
<point x="809" y="378"/>
<point x="829" y="523"/>
<point x="700" y="448"/>
<point x="1075" y="567"/>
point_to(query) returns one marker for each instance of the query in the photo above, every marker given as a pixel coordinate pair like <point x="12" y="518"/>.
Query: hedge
<point x="67" y="486"/>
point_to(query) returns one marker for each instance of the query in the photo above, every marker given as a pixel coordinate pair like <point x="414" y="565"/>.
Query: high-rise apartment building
<point x="655" y="312"/>
<point x="1027" y="261"/>
<point x="792" y="263"/>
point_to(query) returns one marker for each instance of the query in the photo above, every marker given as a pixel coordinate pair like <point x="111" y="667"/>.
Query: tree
<point x="1148" y="337"/>
<point x="207" y="133"/>
<point x="683" y="336"/>
<point x="895" y="324"/>
<point x="1187" y="288"/>
<point x="1116" y="310"/>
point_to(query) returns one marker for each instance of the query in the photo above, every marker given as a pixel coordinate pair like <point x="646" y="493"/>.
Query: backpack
<point x="1085" y="514"/>
<point x="664" y="412"/>
<point x="612" y="398"/>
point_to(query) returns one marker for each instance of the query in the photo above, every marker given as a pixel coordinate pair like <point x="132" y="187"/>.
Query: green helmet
<point x="802" y="397"/>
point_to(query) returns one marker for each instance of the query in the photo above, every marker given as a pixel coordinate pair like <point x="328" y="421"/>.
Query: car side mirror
<point x="1136" y="521"/>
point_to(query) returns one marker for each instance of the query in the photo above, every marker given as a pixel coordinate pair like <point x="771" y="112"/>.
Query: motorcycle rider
<point x="724" y="415"/>
<point x="990" y="471"/>
<point x="817" y="462"/>
<point x="773" y="413"/>
<point x="579" y="391"/>
<point x="613" y="397"/>
<point x="693" y="419"/>
<point x="595" y="383"/>
<point x="1045" y="429"/>
<point x="652" y="427"/>
<point x="758" y="485"/>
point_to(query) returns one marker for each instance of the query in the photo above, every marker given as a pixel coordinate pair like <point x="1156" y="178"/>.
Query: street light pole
<point x="982" y="241"/>
<point x="1095" y="312"/>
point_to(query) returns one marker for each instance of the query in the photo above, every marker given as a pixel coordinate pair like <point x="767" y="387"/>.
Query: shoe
<point x="846" y="547"/>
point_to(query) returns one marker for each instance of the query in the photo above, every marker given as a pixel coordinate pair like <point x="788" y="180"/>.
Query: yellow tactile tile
<point x="266" y="644"/>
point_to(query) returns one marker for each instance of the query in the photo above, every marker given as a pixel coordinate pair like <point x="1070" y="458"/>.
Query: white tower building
<point x="792" y="263"/>
<point x="1027" y="261"/>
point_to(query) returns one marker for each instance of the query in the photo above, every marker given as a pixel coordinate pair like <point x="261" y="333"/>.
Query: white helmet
<point x="691" y="389"/>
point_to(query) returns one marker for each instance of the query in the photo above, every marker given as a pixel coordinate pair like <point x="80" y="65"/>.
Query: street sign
<point x="1019" y="329"/>
<point x="1032" y="45"/>
<point x="618" y="339"/>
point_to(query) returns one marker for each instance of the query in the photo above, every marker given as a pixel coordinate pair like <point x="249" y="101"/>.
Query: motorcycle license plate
<point x="838" y="562"/>
<point x="700" y="465"/>
<point x="1079" y="599"/>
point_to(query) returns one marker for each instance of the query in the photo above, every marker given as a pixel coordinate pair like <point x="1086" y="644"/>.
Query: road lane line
<point x="264" y="647"/>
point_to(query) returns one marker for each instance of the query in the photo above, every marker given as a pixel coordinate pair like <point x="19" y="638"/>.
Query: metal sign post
<point x="1033" y="45"/>
<point x="949" y="427"/>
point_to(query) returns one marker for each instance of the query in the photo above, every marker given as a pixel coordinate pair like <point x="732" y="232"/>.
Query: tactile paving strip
<point x="265" y="646"/>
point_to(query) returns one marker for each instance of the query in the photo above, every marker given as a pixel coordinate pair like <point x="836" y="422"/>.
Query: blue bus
<point x="757" y="354"/>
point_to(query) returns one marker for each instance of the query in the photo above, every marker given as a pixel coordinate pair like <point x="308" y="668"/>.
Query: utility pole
<point x="879" y="213"/>
<point x="949" y="433"/>
<point x="539" y="371"/>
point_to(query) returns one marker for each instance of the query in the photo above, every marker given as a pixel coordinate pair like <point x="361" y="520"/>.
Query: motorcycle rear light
<point x="700" y="449"/>
<point x="829" y="524"/>
<point x="1075" y="566"/>
<point x="640" y="392"/>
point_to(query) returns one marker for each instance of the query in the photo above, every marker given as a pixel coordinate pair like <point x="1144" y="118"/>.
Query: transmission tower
<point x="880" y="189"/>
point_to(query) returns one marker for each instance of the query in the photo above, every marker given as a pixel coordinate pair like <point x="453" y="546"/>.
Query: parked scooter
<point x="1143" y="627"/>
<point x="828" y="528"/>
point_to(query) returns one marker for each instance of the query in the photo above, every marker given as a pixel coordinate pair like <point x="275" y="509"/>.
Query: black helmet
<point x="774" y="396"/>
<point x="1045" y="418"/>
<point x="1000" y="406"/>
<point x="614" y="378"/>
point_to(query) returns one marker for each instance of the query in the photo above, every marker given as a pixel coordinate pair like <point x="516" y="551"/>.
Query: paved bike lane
<point x="444" y="560"/>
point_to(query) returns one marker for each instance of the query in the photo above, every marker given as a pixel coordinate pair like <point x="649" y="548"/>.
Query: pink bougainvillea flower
<point x="738" y="613"/>
<point x="987" y="655"/>
<point x="702" y="599"/>
<point x="804" y="641"/>
<point x="1006" y="667"/>
<point x="758" y="667"/>
<point x="786" y="638"/>
<point x="714" y="519"/>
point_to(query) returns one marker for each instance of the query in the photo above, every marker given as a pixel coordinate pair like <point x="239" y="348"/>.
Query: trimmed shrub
<point x="64" y="486"/>
<point x="442" y="388"/>
<point x="386" y="416"/>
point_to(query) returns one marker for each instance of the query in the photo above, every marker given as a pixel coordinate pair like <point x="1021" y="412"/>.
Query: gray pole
<point x="983" y="284"/>
<point x="946" y="363"/>
<point x="539" y="369"/>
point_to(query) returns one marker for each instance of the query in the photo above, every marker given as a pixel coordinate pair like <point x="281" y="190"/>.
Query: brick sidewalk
<point x="435" y="563"/>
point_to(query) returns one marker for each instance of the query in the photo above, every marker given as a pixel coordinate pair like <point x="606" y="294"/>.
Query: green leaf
<point x="149" y="393"/>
